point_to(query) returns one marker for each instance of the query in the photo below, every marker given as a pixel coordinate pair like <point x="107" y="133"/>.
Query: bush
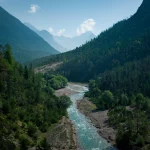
<point x="31" y="129"/>
<point x="43" y="145"/>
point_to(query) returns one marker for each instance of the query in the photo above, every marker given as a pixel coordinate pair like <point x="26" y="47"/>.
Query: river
<point x="87" y="135"/>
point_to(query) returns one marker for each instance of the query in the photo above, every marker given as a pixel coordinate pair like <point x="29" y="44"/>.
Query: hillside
<point x="28" y="105"/>
<point x="26" y="44"/>
<point x="126" y="41"/>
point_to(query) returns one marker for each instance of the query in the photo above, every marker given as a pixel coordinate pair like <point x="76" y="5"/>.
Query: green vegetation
<point x="56" y="81"/>
<point x="129" y="112"/>
<point x="133" y="125"/>
<point x="28" y="105"/>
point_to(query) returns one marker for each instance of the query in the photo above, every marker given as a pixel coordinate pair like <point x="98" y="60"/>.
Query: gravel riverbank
<point x="65" y="127"/>
<point x="98" y="119"/>
<point x="63" y="134"/>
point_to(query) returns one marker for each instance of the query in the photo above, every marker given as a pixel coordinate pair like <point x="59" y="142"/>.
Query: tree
<point x="124" y="100"/>
<point x="44" y="145"/>
<point x="8" y="54"/>
<point x="108" y="98"/>
<point x="26" y="72"/>
<point x="134" y="131"/>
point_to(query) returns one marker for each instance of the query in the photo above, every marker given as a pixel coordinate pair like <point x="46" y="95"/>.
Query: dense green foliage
<point x="133" y="125"/>
<point x="118" y="88"/>
<point x="28" y="105"/>
<point x="26" y="44"/>
<point x="129" y="112"/>
<point x="56" y="81"/>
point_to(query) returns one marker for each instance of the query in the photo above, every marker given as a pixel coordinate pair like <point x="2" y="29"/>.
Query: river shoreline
<point x="62" y="135"/>
<point x="68" y="91"/>
<point x="71" y="90"/>
<point x="64" y="124"/>
<point x="98" y="119"/>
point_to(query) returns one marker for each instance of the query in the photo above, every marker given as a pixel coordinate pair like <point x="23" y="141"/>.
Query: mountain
<point x="47" y="37"/>
<point x="26" y="44"/>
<point x="62" y="43"/>
<point x="71" y="43"/>
<point x="126" y="41"/>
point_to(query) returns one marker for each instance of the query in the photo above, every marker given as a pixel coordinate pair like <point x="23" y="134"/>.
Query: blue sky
<point x="71" y="17"/>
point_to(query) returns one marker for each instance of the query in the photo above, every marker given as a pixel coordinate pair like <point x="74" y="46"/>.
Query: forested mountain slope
<point x="28" y="106"/>
<point x="126" y="41"/>
<point x="26" y="44"/>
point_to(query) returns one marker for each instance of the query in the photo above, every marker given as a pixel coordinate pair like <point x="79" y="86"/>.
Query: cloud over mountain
<point x="87" y="25"/>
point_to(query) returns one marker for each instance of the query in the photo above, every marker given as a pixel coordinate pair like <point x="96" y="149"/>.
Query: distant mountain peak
<point x="89" y="33"/>
<point x="73" y="42"/>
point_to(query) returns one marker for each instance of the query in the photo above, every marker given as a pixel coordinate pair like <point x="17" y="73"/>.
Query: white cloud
<point x="51" y="30"/>
<point x="33" y="8"/>
<point x="87" y="25"/>
<point x="61" y="32"/>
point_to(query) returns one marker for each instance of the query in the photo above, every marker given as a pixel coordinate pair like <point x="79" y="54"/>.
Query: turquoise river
<point x="87" y="135"/>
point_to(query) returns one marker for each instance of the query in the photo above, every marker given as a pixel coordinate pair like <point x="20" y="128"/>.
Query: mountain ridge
<point x="62" y="43"/>
<point x="26" y="44"/>
<point x="47" y="37"/>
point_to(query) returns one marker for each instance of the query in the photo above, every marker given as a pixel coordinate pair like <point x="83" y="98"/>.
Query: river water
<point x="87" y="135"/>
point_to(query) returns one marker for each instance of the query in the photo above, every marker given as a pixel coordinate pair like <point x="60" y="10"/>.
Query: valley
<point x="62" y="86"/>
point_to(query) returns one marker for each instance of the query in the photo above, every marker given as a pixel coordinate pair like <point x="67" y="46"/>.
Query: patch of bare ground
<point x="98" y="118"/>
<point x="62" y="136"/>
<point x="48" y="67"/>
<point x="68" y="91"/>
<point x="65" y="91"/>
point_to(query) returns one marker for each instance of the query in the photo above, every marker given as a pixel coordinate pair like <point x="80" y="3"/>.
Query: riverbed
<point x="87" y="135"/>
